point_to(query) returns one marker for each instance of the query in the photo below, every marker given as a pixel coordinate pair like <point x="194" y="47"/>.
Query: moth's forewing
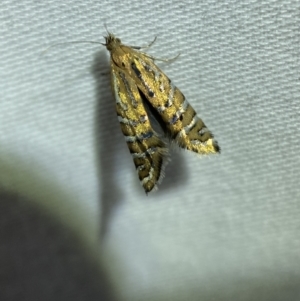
<point x="147" y="149"/>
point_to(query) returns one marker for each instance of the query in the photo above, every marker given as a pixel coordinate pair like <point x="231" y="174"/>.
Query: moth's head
<point x="111" y="42"/>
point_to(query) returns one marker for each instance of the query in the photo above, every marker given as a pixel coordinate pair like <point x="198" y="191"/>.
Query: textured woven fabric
<point x="218" y="228"/>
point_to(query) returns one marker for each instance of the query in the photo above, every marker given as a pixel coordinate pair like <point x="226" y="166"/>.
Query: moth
<point x="136" y="78"/>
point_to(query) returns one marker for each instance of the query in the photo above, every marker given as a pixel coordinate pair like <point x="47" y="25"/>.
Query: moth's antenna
<point x="105" y="26"/>
<point x="73" y="42"/>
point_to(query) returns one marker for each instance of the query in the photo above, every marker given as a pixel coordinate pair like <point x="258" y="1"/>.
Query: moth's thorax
<point x="112" y="43"/>
<point x="116" y="50"/>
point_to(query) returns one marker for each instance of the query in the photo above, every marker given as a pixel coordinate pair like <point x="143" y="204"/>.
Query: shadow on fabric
<point x="42" y="260"/>
<point x="107" y="141"/>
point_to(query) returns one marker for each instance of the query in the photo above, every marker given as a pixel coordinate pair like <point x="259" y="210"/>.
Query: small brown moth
<point x="134" y="77"/>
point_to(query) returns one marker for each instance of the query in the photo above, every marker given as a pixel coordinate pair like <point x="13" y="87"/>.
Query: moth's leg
<point x="152" y="57"/>
<point x="144" y="47"/>
<point x="172" y="59"/>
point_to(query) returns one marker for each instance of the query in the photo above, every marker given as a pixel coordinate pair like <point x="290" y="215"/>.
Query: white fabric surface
<point x="219" y="228"/>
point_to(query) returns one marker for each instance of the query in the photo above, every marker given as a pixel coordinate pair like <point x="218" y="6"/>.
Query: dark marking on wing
<point x="136" y="70"/>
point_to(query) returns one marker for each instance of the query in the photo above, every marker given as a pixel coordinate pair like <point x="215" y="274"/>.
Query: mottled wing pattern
<point x="147" y="149"/>
<point x="133" y="75"/>
<point x="182" y="123"/>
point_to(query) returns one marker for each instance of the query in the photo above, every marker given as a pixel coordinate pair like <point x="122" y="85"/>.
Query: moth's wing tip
<point x="217" y="147"/>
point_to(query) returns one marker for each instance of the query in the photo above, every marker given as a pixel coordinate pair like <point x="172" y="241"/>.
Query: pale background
<point x="75" y="223"/>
